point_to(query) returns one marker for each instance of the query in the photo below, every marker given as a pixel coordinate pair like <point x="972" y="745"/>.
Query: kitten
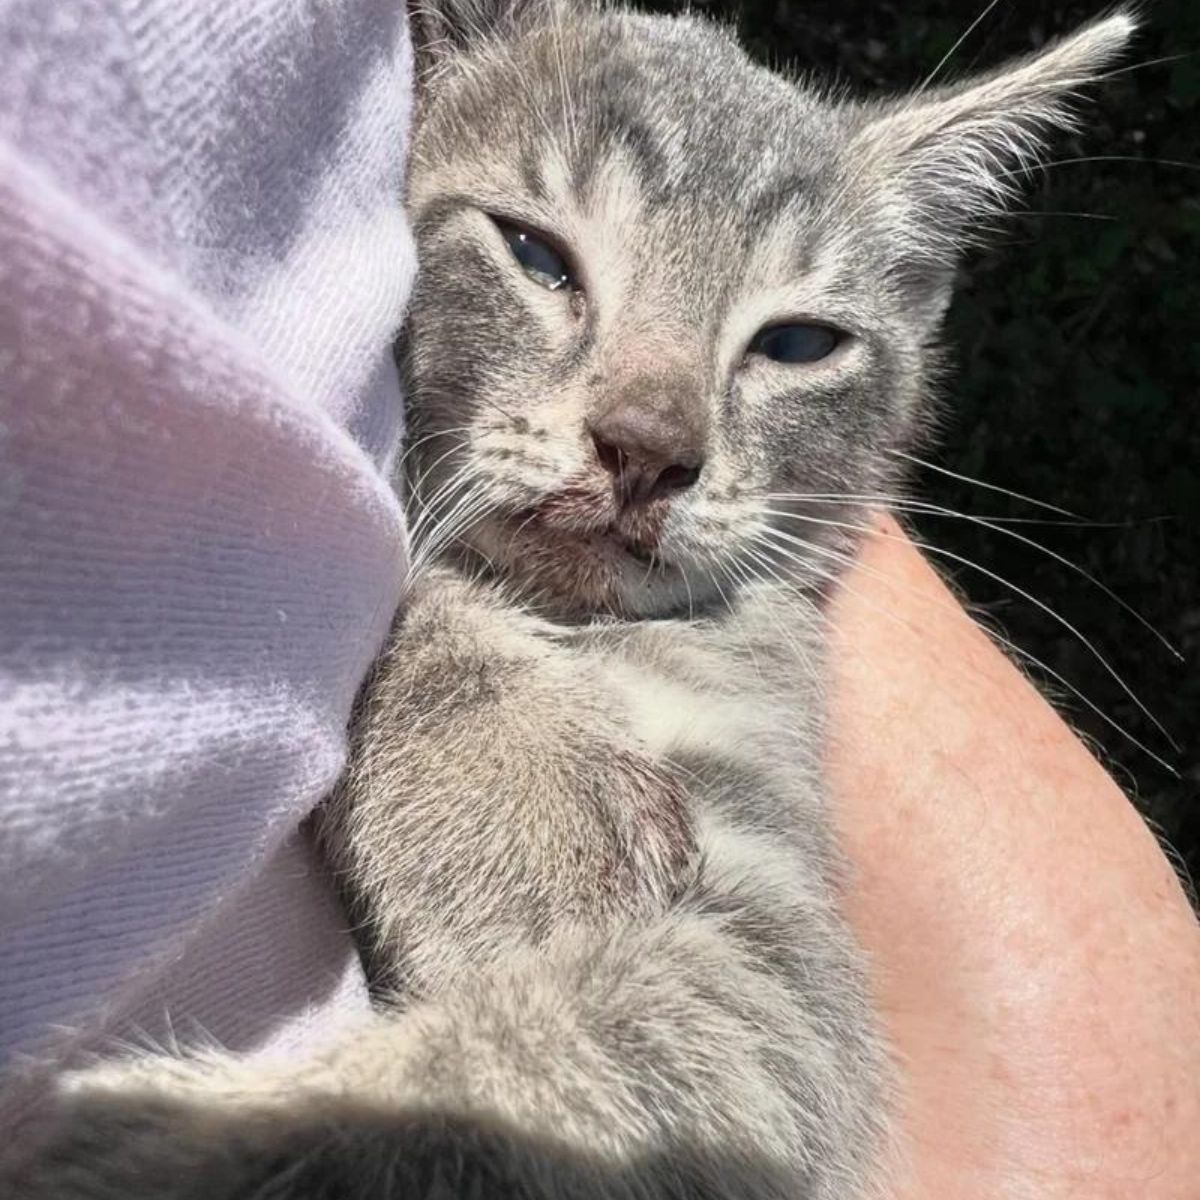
<point x="668" y="301"/>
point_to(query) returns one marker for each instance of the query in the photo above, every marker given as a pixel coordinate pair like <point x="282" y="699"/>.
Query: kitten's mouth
<point x="580" y="552"/>
<point x="608" y="540"/>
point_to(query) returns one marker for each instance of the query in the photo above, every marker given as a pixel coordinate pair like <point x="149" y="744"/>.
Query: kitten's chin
<point x="576" y="573"/>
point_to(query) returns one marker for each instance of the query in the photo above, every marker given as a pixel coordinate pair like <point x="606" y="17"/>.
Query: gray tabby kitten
<point x="666" y="295"/>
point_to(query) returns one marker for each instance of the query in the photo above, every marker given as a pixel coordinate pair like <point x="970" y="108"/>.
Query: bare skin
<point x="1038" y="964"/>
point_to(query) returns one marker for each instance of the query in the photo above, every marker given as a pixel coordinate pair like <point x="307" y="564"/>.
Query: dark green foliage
<point x="1078" y="364"/>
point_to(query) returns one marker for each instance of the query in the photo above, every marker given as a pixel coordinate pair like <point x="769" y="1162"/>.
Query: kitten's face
<point x="664" y="296"/>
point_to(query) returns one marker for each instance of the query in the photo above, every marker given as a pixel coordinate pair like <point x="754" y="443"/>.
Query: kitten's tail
<point x="719" y="1052"/>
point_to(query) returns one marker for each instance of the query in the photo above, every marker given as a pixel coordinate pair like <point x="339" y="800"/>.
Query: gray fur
<point x="583" y="826"/>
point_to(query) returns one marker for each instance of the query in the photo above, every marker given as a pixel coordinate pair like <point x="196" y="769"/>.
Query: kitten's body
<point x="583" y="826"/>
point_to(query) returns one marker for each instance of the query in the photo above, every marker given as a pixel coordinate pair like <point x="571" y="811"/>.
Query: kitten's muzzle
<point x="651" y="448"/>
<point x="586" y="514"/>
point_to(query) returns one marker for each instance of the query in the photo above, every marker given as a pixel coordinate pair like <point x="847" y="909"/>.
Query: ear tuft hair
<point x="442" y="28"/>
<point x="954" y="155"/>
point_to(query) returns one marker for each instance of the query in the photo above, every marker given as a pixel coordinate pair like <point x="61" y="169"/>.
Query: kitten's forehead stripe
<point x="430" y="219"/>
<point x="529" y="164"/>
<point x="622" y="127"/>
<point x="772" y="200"/>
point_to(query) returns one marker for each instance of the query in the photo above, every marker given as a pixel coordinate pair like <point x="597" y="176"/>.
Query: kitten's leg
<point x="721" y="1051"/>
<point x="623" y="1047"/>
<point x="496" y="791"/>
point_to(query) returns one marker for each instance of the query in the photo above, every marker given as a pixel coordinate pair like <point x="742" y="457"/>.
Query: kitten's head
<point x="665" y="294"/>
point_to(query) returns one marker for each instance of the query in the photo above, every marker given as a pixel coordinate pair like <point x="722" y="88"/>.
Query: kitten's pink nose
<point x="650" y="449"/>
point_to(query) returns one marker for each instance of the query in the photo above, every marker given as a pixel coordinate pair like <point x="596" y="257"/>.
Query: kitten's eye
<point x="543" y="264"/>
<point x="795" y="343"/>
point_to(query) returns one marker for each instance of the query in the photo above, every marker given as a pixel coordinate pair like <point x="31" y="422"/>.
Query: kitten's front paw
<point x="163" y="1128"/>
<point x="497" y="792"/>
<point x="114" y="1132"/>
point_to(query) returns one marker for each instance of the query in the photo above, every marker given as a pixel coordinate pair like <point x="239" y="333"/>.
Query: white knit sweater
<point x="202" y="263"/>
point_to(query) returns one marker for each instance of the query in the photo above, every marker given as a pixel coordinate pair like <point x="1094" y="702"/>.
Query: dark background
<point x="1077" y="365"/>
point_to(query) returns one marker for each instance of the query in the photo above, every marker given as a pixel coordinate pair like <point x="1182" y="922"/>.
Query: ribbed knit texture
<point x="203" y="261"/>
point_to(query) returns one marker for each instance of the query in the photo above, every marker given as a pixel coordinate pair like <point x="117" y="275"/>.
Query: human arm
<point x="1037" y="963"/>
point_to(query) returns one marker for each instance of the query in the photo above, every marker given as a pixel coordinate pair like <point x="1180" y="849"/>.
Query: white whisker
<point x="1046" y="608"/>
<point x="991" y="487"/>
<point x="924" y="508"/>
<point x="1103" y="158"/>
<point x="1007" y="643"/>
<point x="970" y="29"/>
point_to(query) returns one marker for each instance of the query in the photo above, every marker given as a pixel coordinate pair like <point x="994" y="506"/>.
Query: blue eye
<point x="795" y="343"/>
<point x="543" y="264"/>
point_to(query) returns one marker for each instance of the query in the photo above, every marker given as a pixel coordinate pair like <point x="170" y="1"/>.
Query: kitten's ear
<point x="441" y="28"/>
<point x="952" y="156"/>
